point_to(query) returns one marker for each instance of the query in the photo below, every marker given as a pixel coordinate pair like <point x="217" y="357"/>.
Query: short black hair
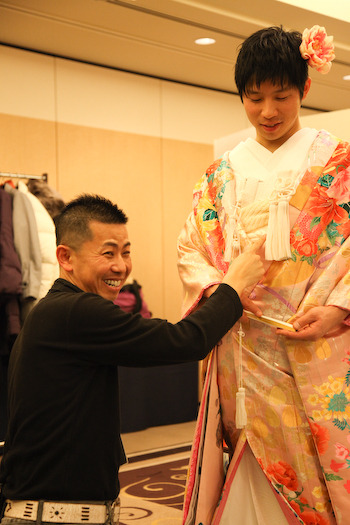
<point x="271" y="54"/>
<point x="72" y="224"/>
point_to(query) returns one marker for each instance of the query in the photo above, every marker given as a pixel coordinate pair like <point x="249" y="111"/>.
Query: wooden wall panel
<point x="183" y="163"/>
<point x="126" y="168"/>
<point x="28" y="146"/>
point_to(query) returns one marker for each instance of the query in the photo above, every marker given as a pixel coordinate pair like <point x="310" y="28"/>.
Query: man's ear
<point x="63" y="254"/>
<point x="307" y="87"/>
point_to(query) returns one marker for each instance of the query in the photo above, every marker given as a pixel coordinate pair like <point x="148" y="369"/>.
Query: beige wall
<point x="142" y="142"/>
<point x="336" y="122"/>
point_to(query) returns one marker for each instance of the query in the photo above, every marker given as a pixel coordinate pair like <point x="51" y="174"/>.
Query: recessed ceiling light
<point x="205" y="41"/>
<point x="347" y="77"/>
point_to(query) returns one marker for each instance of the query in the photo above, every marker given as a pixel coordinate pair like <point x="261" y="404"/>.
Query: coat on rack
<point x="26" y="241"/>
<point x="10" y="277"/>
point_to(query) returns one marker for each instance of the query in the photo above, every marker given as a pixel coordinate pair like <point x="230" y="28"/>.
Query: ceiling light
<point x="205" y="41"/>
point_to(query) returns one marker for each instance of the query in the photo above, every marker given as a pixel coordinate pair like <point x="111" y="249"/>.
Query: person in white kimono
<point x="262" y="188"/>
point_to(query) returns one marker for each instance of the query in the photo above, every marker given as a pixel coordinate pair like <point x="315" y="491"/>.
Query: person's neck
<point x="273" y="145"/>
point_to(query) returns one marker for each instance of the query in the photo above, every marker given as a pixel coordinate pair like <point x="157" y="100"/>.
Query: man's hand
<point x="249" y="305"/>
<point x="316" y="323"/>
<point x="246" y="269"/>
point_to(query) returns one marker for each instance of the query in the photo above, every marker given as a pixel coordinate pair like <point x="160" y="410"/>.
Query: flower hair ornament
<point x="317" y="49"/>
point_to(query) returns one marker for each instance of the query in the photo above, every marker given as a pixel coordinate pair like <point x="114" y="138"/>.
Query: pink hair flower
<point x="317" y="48"/>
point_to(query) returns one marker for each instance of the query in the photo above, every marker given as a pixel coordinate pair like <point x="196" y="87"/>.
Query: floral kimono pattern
<point x="297" y="392"/>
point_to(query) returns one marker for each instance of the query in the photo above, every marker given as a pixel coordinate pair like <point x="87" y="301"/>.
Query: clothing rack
<point x="24" y="176"/>
<point x="7" y="175"/>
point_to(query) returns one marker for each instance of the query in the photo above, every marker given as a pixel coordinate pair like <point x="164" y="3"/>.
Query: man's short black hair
<point x="72" y="224"/>
<point x="271" y="54"/>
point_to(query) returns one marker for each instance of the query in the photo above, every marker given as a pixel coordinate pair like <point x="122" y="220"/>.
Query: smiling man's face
<point x="102" y="264"/>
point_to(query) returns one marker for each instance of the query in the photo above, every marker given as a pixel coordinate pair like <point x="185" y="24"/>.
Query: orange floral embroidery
<point x="304" y="246"/>
<point x="321" y="436"/>
<point x="213" y="167"/>
<point x="311" y="517"/>
<point x="321" y="205"/>
<point x="283" y="474"/>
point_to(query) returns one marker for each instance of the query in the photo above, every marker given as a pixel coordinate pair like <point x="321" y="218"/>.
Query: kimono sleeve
<point x="195" y="268"/>
<point x="201" y="243"/>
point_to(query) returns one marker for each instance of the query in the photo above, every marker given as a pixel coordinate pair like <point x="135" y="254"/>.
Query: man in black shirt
<point x="63" y="447"/>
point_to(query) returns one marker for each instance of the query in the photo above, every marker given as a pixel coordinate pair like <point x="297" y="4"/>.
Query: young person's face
<point x="101" y="265"/>
<point x="274" y="112"/>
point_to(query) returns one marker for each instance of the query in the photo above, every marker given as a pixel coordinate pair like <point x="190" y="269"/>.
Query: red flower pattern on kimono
<point x="283" y="474"/>
<point x="347" y="486"/>
<point x="312" y="231"/>
<point x="196" y="198"/>
<point x="326" y="208"/>
<point x="311" y="517"/>
<point x="321" y="436"/>
<point x="344" y="229"/>
<point x="216" y="248"/>
<point x="304" y="246"/>
<point x="341" y="452"/>
<point x="335" y="466"/>
<point x="340" y="188"/>
<point x="213" y="167"/>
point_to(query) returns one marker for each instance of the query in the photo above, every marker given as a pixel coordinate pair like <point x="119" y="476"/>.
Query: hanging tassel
<point x="277" y="247"/>
<point x="270" y="237"/>
<point x="284" y="230"/>
<point x="241" y="413"/>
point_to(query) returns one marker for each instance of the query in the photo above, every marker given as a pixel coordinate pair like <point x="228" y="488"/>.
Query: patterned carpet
<point x="153" y="491"/>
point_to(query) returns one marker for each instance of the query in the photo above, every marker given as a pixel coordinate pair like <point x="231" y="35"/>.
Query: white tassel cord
<point x="270" y="237"/>
<point x="233" y="244"/>
<point x="278" y="229"/>
<point x="284" y="227"/>
<point x="241" y="413"/>
<point x="277" y="247"/>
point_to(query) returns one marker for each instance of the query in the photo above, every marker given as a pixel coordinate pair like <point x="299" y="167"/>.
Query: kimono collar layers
<point x="268" y="180"/>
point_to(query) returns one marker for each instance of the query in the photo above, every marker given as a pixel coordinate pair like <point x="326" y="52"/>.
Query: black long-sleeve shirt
<point x="63" y="441"/>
